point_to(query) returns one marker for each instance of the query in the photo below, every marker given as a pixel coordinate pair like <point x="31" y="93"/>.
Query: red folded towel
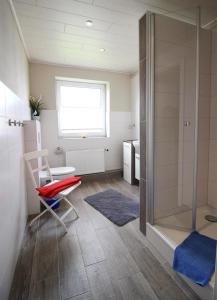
<point x="53" y="189"/>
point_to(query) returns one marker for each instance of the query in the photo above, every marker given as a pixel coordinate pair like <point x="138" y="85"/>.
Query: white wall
<point x="135" y="94"/>
<point x="42" y="81"/>
<point x="14" y="75"/>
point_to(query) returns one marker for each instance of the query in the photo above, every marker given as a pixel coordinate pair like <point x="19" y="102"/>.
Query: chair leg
<point x="70" y="204"/>
<point x="49" y="209"/>
<point x="58" y="219"/>
<point x="37" y="217"/>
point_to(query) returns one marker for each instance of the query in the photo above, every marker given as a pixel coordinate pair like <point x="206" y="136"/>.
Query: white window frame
<point x="105" y="93"/>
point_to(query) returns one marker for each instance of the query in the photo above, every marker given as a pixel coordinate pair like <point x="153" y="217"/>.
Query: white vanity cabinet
<point x="128" y="162"/>
<point x="137" y="166"/>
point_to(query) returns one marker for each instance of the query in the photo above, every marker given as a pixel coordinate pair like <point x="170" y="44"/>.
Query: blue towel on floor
<point x="195" y="258"/>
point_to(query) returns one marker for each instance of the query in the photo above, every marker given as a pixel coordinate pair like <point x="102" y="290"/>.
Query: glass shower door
<point x="174" y="122"/>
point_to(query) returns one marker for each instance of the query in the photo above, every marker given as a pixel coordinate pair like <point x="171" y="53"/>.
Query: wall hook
<point x="10" y="122"/>
<point x="20" y="123"/>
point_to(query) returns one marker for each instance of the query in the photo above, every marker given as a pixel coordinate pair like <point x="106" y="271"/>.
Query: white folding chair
<point x="42" y="155"/>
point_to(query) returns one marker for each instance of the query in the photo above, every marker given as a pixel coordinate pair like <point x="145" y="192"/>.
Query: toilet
<point x="62" y="172"/>
<point x="57" y="173"/>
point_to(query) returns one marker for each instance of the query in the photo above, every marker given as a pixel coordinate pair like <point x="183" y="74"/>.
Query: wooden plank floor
<point x="95" y="260"/>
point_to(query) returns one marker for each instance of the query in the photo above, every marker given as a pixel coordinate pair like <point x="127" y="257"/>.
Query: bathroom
<point x="132" y="154"/>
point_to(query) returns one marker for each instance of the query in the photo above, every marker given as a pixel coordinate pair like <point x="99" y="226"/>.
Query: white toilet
<point x="57" y="173"/>
<point x="62" y="172"/>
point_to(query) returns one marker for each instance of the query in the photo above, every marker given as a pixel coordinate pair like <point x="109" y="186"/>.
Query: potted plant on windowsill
<point x="36" y="106"/>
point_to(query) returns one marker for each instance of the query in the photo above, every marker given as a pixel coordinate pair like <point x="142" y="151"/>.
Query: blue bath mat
<point x="195" y="258"/>
<point x="115" y="206"/>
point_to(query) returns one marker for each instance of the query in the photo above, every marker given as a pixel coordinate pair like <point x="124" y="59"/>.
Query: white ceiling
<point x="55" y="32"/>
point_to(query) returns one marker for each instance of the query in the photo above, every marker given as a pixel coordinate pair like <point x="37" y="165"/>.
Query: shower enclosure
<point x="177" y="125"/>
<point x="178" y="111"/>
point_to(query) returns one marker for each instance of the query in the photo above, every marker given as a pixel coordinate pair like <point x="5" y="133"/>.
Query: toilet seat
<point x="57" y="173"/>
<point x="62" y="171"/>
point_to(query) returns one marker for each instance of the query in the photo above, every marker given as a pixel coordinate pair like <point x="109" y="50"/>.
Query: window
<point x="82" y="108"/>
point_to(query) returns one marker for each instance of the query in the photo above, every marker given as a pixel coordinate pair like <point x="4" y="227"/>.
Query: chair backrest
<point x="36" y="155"/>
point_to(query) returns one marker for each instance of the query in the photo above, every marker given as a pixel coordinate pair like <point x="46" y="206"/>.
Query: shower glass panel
<point x="174" y="121"/>
<point x="203" y="206"/>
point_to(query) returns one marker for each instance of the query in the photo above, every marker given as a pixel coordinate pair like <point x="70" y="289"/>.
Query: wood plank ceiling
<point x="55" y="31"/>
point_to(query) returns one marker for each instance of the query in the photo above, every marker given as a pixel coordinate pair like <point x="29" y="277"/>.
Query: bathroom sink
<point x="136" y="145"/>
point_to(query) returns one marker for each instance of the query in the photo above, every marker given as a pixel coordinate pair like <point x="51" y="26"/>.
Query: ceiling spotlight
<point x="102" y="49"/>
<point x="89" y="23"/>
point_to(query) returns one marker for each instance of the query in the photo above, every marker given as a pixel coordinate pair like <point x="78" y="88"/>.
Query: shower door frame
<point x="150" y="45"/>
<point x="150" y="128"/>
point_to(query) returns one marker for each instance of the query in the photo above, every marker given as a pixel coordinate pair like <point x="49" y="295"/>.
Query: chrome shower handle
<point x="187" y="123"/>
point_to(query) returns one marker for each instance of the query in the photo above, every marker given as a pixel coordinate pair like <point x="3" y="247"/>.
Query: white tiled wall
<point x="14" y="74"/>
<point x="135" y="99"/>
<point x="12" y="183"/>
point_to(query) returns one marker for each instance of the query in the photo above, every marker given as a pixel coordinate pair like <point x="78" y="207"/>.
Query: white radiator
<point x="86" y="161"/>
